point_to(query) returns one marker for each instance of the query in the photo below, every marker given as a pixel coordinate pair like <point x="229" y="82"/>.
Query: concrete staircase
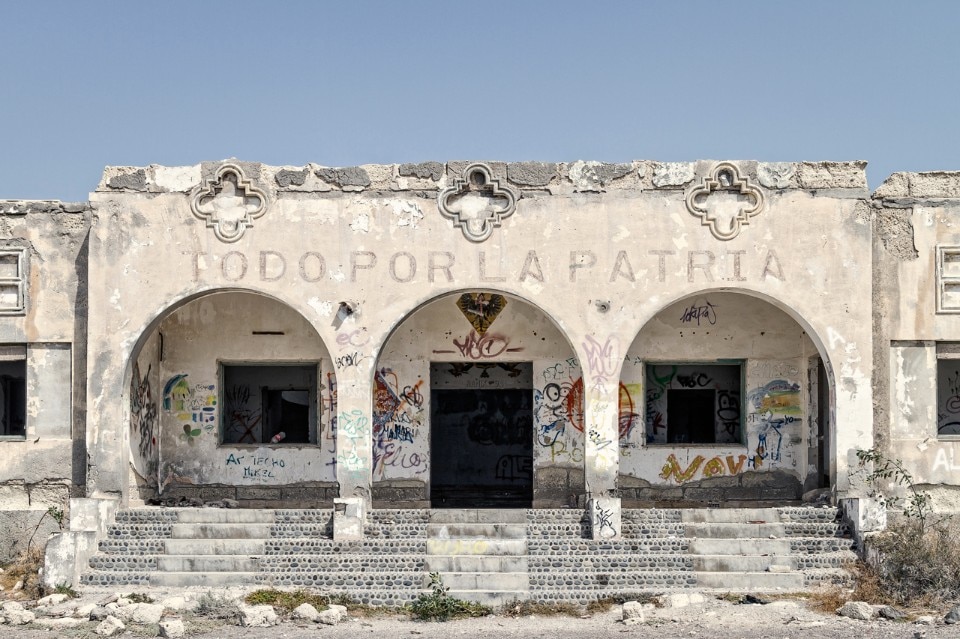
<point x="481" y="555"/>
<point x="489" y="556"/>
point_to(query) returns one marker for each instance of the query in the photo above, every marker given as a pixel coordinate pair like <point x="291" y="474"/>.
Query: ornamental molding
<point x="725" y="201"/>
<point x="477" y="203"/>
<point x="228" y="203"/>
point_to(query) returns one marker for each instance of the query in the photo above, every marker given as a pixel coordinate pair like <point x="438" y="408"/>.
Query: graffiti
<point x="393" y="455"/>
<point x="775" y="404"/>
<point x="353" y="424"/>
<point x="769" y="429"/>
<point x="190" y="405"/>
<point x="349" y="360"/>
<point x="485" y="346"/>
<point x="704" y="312"/>
<point x="944" y="460"/>
<point x="497" y="429"/>
<point x="330" y="404"/>
<point x="561" y="403"/>
<point x="243" y="421"/>
<point x="560" y="451"/>
<point x="602" y="359"/>
<point x="779" y="396"/>
<point x="514" y="467"/>
<point x="713" y="467"/>
<point x="412" y="395"/>
<point x="695" y="380"/>
<point x="354" y="339"/>
<point x="481" y="309"/>
<point x="260" y="467"/>
<point x="603" y="522"/>
<point x="598" y="440"/>
<point x="143" y="418"/>
<point x="728" y="414"/>
<point x="458" y="369"/>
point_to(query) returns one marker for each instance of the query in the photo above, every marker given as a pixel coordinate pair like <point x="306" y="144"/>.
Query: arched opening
<point x="475" y="405"/>
<point x="231" y="397"/>
<point x="736" y="405"/>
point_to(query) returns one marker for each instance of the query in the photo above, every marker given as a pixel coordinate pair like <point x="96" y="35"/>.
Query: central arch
<point x="475" y="405"/>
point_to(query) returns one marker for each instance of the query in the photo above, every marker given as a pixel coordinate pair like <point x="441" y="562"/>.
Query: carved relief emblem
<point x="229" y="203"/>
<point x="725" y="201"/>
<point x="481" y="309"/>
<point x="477" y="203"/>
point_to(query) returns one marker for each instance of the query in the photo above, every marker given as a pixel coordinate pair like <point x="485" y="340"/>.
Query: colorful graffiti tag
<point x="143" y="419"/>
<point x="714" y="467"/>
<point x="193" y="405"/>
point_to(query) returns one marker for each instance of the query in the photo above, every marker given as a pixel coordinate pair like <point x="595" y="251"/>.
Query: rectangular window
<point x="269" y="403"/>
<point x="12" y="281"/>
<point x="13" y="392"/>
<point x="693" y="403"/>
<point x="948" y="391"/>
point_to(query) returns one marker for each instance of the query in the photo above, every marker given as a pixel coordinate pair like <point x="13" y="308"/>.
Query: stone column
<point x="601" y="361"/>
<point x="354" y="431"/>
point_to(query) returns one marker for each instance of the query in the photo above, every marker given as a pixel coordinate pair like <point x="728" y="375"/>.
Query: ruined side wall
<point x="917" y="222"/>
<point x="47" y="466"/>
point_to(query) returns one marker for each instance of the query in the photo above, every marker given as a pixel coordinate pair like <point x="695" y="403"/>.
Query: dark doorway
<point x="481" y="435"/>
<point x="691" y="415"/>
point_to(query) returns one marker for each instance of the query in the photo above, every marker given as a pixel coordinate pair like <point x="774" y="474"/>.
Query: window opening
<point x="269" y="404"/>
<point x="13" y="398"/>
<point x="948" y="391"/>
<point x="689" y="403"/>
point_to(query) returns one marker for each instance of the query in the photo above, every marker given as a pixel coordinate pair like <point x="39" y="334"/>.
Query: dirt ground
<point x="780" y="619"/>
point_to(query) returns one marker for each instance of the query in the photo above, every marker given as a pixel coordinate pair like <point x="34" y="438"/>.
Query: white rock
<point x="925" y="620"/>
<point x="257" y="616"/>
<point x="12" y="606"/>
<point x="856" y="610"/>
<point x="85" y="610"/>
<point x="52" y="600"/>
<point x="19" y="617"/>
<point x="333" y="615"/>
<point x="633" y="610"/>
<point x="109" y="627"/>
<point x="175" y="603"/>
<point x="681" y="599"/>
<point x="145" y="613"/>
<point x="305" y="611"/>
<point x="123" y="601"/>
<point x="172" y="628"/>
<point x="18" y="586"/>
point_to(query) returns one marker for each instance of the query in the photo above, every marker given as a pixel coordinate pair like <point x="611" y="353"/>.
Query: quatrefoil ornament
<point x="228" y="203"/>
<point x="477" y="203"/>
<point x="725" y="201"/>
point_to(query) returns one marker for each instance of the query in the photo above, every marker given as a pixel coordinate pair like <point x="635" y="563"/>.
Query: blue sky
<point x="90" y="84"/>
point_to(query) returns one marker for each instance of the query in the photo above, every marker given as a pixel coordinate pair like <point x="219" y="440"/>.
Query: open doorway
<point x="481" y="435"/>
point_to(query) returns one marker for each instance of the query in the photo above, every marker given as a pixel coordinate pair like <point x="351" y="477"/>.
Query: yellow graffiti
<point x="712" y="468"/>
<point x="672" y="468"/>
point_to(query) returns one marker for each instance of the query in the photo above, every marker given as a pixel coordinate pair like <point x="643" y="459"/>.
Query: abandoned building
<point x="545" y="380"/>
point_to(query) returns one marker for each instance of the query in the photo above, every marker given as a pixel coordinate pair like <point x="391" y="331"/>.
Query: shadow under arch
<point x="151" y="330"/>
<point x="424" y="345"/>
<point x="808" y="328"/>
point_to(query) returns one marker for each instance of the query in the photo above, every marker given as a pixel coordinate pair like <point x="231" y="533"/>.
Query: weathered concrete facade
<point x="582" y="335"/>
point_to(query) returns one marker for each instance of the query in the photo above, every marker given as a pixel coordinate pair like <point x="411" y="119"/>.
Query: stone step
<point x="225" y="516"/>
<point x="486" y="531"/>
<point x="627" y="582"/>
<point x="490" y="598"/>
<point x="211" y="579"/>
<point x="214" y="546"/>
<point x="756" y="581"/>
<point x="729" y="515"/>
<point x="479" y="516"/>
<point x="492" y="581"/>
<point x="733" y="531"/>
<point x="580" y="546"/>
<point x="741" y="563"/>
<point x="610" y="563"/>
<point x="115" y="578"/>
<point x="207" y="563"/>
<point x="220" y="531"/>
<point x="475" y="563"/>
<point x="710" y="546"/>
<point x="495" y="547"/>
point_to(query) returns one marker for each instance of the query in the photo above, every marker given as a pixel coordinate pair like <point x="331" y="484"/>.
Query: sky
<point x="90" y="84"/>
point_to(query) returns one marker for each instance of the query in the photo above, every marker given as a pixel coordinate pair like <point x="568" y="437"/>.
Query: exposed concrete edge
<point x="927" y="185"/>
<point x="865" y="516"/>
<point x="67" y="554"/>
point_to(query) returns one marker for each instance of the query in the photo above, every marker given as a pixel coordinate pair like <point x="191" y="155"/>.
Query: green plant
<point x="526" y="608"/>
<point x="286" y="600"/>
<point x="54" y="513"/>
<point x="64" y="589"/>
<point x="215" y="606"/>
<point x="139" y="597"/>
<point x="440" y="606"/>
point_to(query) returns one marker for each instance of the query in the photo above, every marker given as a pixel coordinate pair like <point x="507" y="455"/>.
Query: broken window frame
<point x="947" y="353"/>
<point x="16" y="353"/>
<point x="314" y="409"/>
<point x="19" y="280"/>
<point x="741" y="365"/>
